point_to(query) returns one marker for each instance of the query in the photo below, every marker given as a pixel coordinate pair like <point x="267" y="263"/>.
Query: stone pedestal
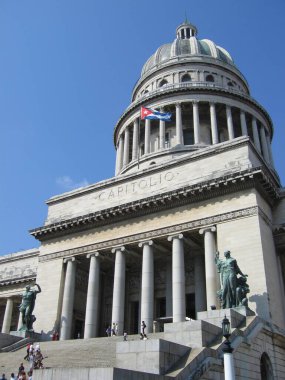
<point x="237" y="316"/>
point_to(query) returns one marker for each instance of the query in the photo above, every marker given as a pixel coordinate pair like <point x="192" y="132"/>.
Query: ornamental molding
<point x="259" y="178"/>
<point x="161" y="232"/>
<point x="21" y="280"/>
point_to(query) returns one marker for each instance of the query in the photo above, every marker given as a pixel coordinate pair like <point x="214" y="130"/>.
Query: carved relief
<point x="14" y="272"/>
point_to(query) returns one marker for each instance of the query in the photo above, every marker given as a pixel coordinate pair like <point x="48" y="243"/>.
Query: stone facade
<point x="141" y="245"/>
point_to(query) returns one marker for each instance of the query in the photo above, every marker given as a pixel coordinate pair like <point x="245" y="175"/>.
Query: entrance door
<point x="161" y="307"/>
<point x="134" y="317"/>
<point x="78" y="329"/>
<point x="190" y="305"/>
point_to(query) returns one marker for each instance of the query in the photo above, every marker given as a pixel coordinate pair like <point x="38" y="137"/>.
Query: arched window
<point x="163" y="83"/>
<point x="186" y="78"/>
<point x="230" y="84"/>
<point x="266" y="370"/>
<point x="210" y="78"/>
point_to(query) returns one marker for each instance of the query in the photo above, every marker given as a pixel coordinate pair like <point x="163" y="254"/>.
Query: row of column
<point x="261" y="141"/>
<point x="7" y="320"/>
<point x="205" y="281"/>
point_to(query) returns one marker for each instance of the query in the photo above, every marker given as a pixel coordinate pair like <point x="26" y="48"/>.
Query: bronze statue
<point x="27" y="306"/>
<point x="233" y="289"/>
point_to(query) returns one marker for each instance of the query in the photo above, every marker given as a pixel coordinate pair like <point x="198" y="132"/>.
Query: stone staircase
<point x="94" y="352"/>
<point x="186" y="350"/>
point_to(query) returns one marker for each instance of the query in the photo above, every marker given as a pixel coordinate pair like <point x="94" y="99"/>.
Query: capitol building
<point x="141" y="245"/>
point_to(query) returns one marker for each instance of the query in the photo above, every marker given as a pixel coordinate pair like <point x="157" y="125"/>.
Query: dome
<point x="186" y="45"/>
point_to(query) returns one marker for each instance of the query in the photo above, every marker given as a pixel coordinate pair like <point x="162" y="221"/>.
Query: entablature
<point x="259" y="178"/>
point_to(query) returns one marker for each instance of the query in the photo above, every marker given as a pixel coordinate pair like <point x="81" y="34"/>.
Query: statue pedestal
<point x="27" y="334"/>
<point x="236" y="315"/>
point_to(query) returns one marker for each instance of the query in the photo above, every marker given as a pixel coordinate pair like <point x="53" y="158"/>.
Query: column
<point x="119" y="161"/>
<point x="210" y="266"/>
<point x="169" y="310"/>
<point x="178" y="278"/>
<point x="126" y="147"/>
<point x="179" y="132"/>
<point x="161" y="132"/>
<point x="147" y="137"/>
<point x="214" y="127"/>
<point x="255" y="134"/>
<point x="196" y="122"/>
<point x="20" y="322"/>
<point x="68" y="299"/>
<point x="135" y="140"/>
<point x="243" y="124"/>
<point x="230" y="123"/>
<point x="264" y="144"/>
<point x="119" y="289"/>
<point x="200" y="284"/>
<point x="7" y="316"/>
<point x="93" y="292"/>
<point x="269" y="149"/>
<point x="147" y="290"/>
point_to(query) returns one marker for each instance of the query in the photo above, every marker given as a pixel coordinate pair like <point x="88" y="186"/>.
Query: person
<point x="27" y="306"/>
<point x="31" y="360"/>
<point x="125" y="336"/>
<point x="3" y="377"/>
<point x="57" y="335"/>
<point x="28" y="351"/>
<point x="38" y="360"/>
<point x="37" y="347"/>
<point x="22" y="376"/>
<point x="12" y="376"/>
<point x="229" y="269"/>
<point x="116" y="329"/>
<point x="21" y="368"/>
<point x="30" y="375"/>
<point x="108" y="331"/>
<point x="143" y="326"/>
<point x="113" y="332"/>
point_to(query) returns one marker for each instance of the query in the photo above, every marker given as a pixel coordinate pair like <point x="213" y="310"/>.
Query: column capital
<point x="122" y="249"/>
<point x="195" y="101"/>
<point x="177" y="236"/>
<point x="71" y="258"/>
<point x="212" y="103"/>
<point x="95" y="254"/>
<point x="147" y="242"/>
<point x="207" y="229"/>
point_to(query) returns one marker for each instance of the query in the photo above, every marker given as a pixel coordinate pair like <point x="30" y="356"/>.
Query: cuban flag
<point x="148" y="113"/>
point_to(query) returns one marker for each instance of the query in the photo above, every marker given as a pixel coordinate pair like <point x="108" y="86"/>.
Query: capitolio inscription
<point x="138" y="186"/>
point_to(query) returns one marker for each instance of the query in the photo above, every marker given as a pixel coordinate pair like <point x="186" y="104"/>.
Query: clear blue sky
<point x="67" y="68"/>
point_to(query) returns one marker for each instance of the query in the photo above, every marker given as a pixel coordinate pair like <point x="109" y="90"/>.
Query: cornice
<point x="258" y="178"/>
<point x="105" y="247"/>
<point x="18" y="280"/>
<point x="19" y="255"/>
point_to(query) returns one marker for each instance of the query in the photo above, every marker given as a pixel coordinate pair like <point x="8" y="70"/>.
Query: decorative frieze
<point x="166" y="231"/>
